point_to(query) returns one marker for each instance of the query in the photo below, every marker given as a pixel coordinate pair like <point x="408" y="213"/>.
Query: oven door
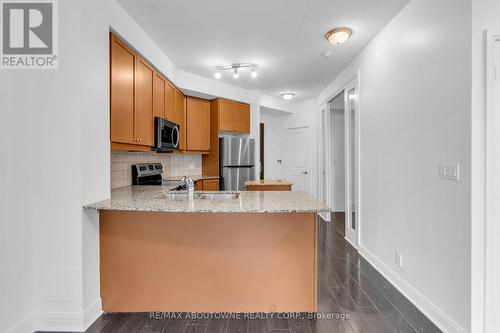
<point x="167" y="135"/>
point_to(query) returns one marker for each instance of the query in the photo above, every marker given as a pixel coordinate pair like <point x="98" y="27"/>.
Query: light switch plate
<point x="191" y="166"/>
<point x="449" y="171"/>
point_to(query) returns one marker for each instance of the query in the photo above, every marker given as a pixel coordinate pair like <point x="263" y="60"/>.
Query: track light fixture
<point x="236" y="69"/>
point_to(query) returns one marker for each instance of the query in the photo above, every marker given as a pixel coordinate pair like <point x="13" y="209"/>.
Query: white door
<point x="299" y="158"/>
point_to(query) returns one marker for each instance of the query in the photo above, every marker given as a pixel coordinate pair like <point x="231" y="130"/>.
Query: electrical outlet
<point x="449" y="171"/>
<point x="191" y="166"/>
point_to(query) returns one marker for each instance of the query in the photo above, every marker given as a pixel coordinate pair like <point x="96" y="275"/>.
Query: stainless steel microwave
<point x="166" y="135"/>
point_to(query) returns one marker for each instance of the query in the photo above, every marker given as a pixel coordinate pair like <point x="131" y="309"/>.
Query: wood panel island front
<point x="221" y="252"/>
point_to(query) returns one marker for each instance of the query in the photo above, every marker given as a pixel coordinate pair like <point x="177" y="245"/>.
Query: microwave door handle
<point x="177" y="142"/>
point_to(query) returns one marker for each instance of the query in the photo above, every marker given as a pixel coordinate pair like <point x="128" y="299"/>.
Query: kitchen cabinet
<point x="233" y="116"/>
<point x="241" y="118"/>
<point x="131" y="101"/>
<point x="210" y="185"/>
<point x="169" y="102"/>
<point x="143" y="115"/>
<point x="159" y="101"/>
<point x="179" y="117"/>
<point x="197" y="124"/>
<point x="122" y="92"/>
<point x="139" y="93"/>
<point x="206" y="185"/>
<point x="225" y="115"/>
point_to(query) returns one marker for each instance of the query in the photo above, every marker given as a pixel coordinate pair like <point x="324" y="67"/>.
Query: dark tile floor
<point x="347" y="286"/>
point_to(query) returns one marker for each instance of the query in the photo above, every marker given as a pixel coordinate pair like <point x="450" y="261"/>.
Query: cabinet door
<point x="241" y="118"/>
<point x="198" y="185"/>
<point x="198" y="124"/>
<point x="226" y="115"/>
<point x="158" y="96"/>
<point x="169" y="102"/>
<point x="143" y="103"/>
<point x="180" y="117"/>
<point x="122" y="92"/>
<point x="211" y="185"/>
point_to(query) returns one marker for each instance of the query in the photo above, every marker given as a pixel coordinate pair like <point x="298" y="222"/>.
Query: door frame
<point x="325" y="153"/>
<point x="492" y="190"/>
<point x="351" y="237"/>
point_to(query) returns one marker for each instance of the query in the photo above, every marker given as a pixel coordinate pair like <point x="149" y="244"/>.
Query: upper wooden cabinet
<point x="198" y="124"/>
<point x="143" y="122"/>
<point x="241" y="118"/>
<point x="122" y="92"/>
<point x="233" y="116"/>
<point x="169" y="101"/>
<point x="225" y="115"/>
<point x="159" y="90"/>
<point x="179" y="116"/>
<point x="132" y="86"/>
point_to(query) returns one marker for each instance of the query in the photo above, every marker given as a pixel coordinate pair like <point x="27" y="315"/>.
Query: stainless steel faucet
<point x="189" y="186"/>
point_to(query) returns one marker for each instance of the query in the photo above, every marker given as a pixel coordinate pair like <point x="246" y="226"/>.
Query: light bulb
<point x="287" y="95"/>
<point x="254" y="73"/>
<point x="338" y="36"/>
<point x="235" y="74"/>
<point x="217" y="75"/>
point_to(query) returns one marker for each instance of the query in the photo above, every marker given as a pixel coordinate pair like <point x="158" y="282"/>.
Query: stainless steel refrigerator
<point x="237" y="162"/>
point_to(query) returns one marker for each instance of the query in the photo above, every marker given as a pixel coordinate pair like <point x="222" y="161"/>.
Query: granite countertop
<point x="268" y="182"/>
<point x="154" y="199"/>
<point x="194" y="178"/>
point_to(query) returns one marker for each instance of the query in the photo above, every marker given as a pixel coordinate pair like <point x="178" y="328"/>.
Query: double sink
<point x="202" y="196"/>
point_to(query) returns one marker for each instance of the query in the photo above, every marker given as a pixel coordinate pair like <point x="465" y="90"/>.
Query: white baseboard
<point x="59" y="322"/>
<point x="91" y="313"/>
<point x="325" y="216"/>
<point x="438" y="317"/>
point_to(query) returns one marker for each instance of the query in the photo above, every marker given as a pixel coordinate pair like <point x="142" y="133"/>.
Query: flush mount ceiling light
<point x="338" y="36"/>
<point x="287" y="95"/>
<point x="235" y="68"/>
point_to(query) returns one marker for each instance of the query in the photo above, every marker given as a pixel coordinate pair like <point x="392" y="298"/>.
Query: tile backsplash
<point x="173" y="165"/>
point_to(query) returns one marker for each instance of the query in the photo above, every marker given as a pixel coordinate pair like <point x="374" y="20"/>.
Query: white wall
<point x="414" y="101"/>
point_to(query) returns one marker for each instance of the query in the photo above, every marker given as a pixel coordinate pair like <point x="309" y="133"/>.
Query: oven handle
<point x="176" y="145"/>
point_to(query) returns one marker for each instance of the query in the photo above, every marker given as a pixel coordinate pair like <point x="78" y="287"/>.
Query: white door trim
<point x="351" y="236"/>
<point x="492" y="195"/>
<point x="323" y="164"/>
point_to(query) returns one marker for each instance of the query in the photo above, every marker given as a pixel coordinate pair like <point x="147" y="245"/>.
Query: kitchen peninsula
<point x="221" y="252"/>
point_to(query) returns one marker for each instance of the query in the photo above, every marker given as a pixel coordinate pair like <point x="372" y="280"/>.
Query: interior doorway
<point x="340" y="159"/>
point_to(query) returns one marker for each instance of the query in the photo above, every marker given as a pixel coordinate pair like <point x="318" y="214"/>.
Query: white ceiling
<point x="284" y="37"/>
